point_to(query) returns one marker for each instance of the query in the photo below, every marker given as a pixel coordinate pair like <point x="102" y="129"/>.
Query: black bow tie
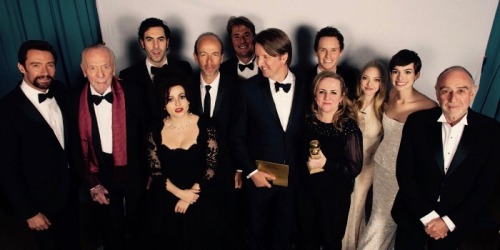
<point x="97" y="99"/>
<point x="43" y="97"/>
<point x="285" y="86"/>
<point x="243" y="66"/>
<point x="156" y="70"/>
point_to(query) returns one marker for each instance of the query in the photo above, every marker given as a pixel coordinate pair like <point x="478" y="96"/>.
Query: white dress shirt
<point x="104" y="117"/>
<point x="48" y="109"/>
<point x="282" y="100"/>
<point x="149" y="65"/>
<point x="247" y="73"/>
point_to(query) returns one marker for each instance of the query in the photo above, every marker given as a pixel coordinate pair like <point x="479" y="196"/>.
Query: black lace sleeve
<point x="353" y="150"/>
<point x="153" y="161"/>
<point x="211" y="154"/>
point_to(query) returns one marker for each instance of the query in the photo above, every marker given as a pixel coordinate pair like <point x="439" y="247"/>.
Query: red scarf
<point x="118" y="126"/>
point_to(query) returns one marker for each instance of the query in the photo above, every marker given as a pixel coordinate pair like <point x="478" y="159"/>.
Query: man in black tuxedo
<point x="34" y="174"/>
<point x="154" y="37"/>
<point x="447" y="168"/>
<point x="328" y="47"/>
<point x="268" y="127"/>
<point x="241" y="32"/>
<point x="110" y="123"/>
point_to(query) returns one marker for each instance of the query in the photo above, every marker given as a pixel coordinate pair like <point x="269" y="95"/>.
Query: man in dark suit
<point x="328" y="47"/>
<point x="447" y="168"/>
<point x="241" y="32"/>
<point x="110" y="122"/>
<point x="34" y="173"/>
<point x="268" y="127"/>
<point x="154" y="37"/>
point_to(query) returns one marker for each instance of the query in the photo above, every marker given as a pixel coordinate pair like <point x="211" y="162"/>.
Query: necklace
<point x="182" y="125"/>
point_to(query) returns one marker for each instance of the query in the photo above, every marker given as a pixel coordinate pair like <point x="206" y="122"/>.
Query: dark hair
<point x="34" y="45"/>
<point x="152" y="22"/>
<point x="405" y="57"/>
<point x="329" y="32"/>
<point x="237" y="21"/>
<point x="345" y="110"/>
<point x="207" y="34"/>
<point x="275" y="42"/>
<point x="167" y="79"/>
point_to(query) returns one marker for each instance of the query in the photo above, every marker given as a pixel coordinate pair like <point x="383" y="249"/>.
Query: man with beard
<point x="241" y="32"/>
<point x="35" y="176"/>
<point x="154" y="37"/>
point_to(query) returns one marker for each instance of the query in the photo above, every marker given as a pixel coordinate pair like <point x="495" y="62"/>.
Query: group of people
<point x="172" y="159"/>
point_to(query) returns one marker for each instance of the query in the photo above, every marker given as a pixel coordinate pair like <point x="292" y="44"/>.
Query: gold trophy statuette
<point x="314" y="149"/>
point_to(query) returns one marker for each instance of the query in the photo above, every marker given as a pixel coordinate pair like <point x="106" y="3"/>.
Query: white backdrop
<point x="443" y="33"/>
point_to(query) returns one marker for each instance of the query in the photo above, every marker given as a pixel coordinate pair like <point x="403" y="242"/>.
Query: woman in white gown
<point x="404" y="99"/>
<point x="371" y="91"/>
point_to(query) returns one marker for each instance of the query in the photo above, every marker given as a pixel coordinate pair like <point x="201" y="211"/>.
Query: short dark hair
<point x="207" y="34"/>
<point x="152" y="22"/>
<point x="329" y="32"/>
<point x="405" y="57"/>
<point x="34" y="45"/>
<point x="237" y="21"/>
<point x="275" y="42"/>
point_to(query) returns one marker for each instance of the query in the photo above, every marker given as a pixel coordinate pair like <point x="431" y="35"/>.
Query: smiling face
<point x="328" y="53"/>
<point x="39" y="69"/>
<point x="209" y="57"/>
<point x="455" y="93"/>
<point x="328" y="95"/>
<point x="370" y="81"/>
<point x="176" y="103"/>
<point x="99" y="68"/>
<point x="242" y="39"/>
<point x="273" y="67"/>
<point x="403" y="77"/>
<point x="155" y="43"/>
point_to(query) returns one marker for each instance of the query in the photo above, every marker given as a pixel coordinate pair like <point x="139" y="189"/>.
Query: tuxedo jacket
<point x="257" y="133"/>
<point x="350" y="78"/>
<point x="137" y="124"/>
<point x="34" y="173"/>
<point x="222" y="117"/>
<point x="138" y="73"/>
<point x="465" y="190"/>
<point x="230" y="67"/>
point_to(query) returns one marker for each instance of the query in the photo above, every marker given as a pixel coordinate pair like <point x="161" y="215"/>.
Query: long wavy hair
<point x="380" y="96"/>
<point x="345" y="110"/>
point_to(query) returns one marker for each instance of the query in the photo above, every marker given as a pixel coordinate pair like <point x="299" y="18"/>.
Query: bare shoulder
<point x="423" y="102"/>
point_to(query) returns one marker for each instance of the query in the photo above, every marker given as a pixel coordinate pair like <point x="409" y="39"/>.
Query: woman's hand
<point x="181" y="207"/>
<point x="317" y="162"/>
<point x="189" y="195"/>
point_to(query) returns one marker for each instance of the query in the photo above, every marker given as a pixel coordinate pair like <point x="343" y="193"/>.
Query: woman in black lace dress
<point x="182" y="154"/>
<point x="327" y="177"/>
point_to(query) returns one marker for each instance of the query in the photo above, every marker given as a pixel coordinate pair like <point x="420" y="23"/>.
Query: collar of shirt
<point x="290" y="78"/>
<point x="93" y="92"/>
<point x="32" y="93"/>
<point x="247" y="73"/>
<point x="251" y="61"/>
<point x="462" y="122"/>
<point x="149" y="65"/>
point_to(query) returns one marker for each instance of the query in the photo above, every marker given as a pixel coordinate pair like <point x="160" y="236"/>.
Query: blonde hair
<point x="345" y="110"/>
<point x="380" y="96"/>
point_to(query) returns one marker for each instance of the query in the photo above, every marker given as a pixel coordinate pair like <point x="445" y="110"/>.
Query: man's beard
<point x="43" y="85"/>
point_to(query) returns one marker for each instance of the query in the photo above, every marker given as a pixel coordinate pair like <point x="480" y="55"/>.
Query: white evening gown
<point x="380" y="231"/>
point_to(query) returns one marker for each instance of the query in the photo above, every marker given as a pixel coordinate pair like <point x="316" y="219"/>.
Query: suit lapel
<point x="465" y="144"/>
<point x="434" y="133"/>
<point x="220" y="94"/>
<point x="296" y="102"/>
<point x="268" y="97"/>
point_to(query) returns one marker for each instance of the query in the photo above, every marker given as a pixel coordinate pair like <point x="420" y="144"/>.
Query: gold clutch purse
<point x="280" y="171"/>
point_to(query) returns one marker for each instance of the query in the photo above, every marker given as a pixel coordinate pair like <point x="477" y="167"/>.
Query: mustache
<point x="44" y="77"/>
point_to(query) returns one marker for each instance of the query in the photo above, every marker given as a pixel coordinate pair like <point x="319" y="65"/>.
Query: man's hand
<point x="437" y="229"/>
<point x="38" y="222"/>
<point x="99" y="194"/>
<point x="237" y="180"/>
<point x="181" y="207"/>
<point x="261" y="179"/>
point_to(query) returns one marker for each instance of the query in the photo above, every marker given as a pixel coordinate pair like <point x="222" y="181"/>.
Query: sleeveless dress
<point x="183" y="167"/>
<point x="371" y="127"/>
<point x="380" y="231"/>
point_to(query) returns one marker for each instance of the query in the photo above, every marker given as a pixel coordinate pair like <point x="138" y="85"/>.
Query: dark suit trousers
<point x="270" y="216"/>
<point x="413" y="237"/>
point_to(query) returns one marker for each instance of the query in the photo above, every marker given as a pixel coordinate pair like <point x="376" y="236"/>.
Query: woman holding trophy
<point x="333" y="144"/>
